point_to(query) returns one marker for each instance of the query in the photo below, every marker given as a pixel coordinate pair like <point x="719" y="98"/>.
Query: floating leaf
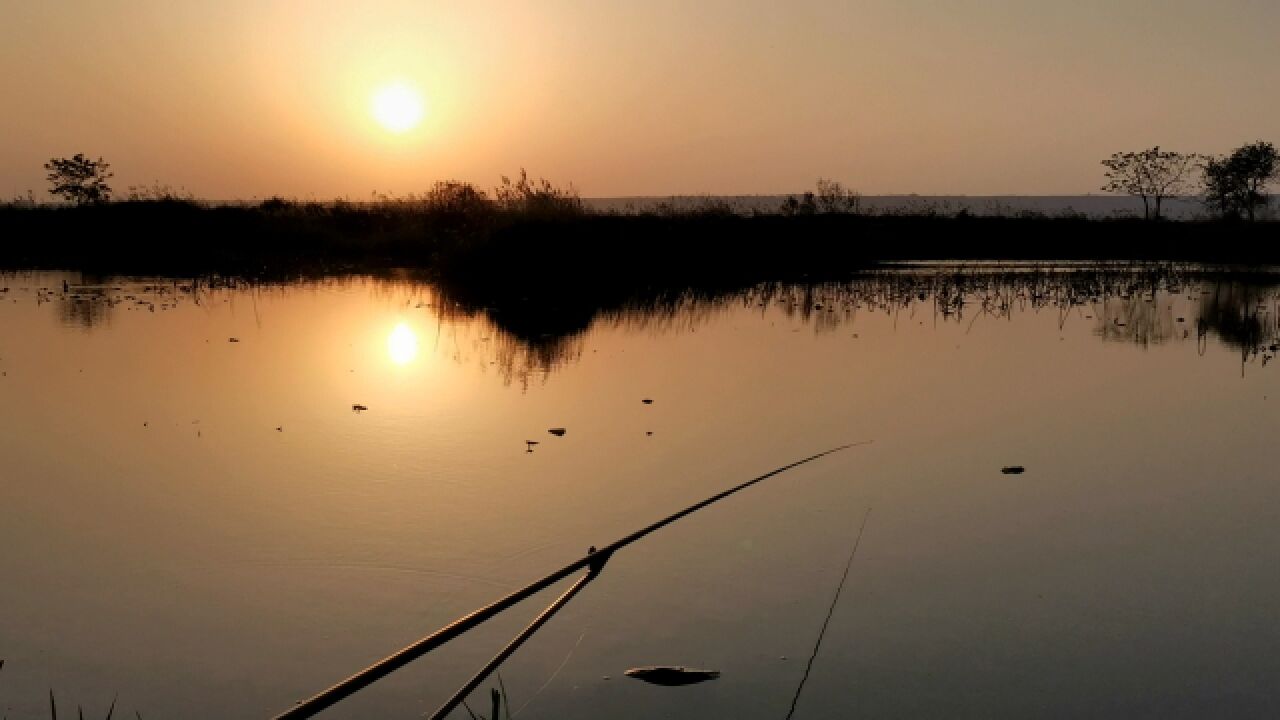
<point x="672" y="675"/>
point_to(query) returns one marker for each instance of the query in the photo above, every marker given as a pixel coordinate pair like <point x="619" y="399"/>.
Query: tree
<point x="1237" y="184"/>
<point x="807" y="204"/>
<point x="1152" y="175"/>
<point x="834" y="197"/>
<point x="1219" y="188"/>
<point x="831" y="197"/>
<point x="79" y="180"/>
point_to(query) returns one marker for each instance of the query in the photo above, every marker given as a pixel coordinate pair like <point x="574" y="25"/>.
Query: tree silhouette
<point x="1237" y="184"/>
<point x="834" y="197"/>
<point x="79" y="180"/>
<point x="1152" y="175"/>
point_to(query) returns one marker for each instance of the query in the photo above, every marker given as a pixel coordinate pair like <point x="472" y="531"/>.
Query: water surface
<point x="207" y="528"/>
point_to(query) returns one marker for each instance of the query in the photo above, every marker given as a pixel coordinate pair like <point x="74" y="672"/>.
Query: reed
<point x="536" y="231"/>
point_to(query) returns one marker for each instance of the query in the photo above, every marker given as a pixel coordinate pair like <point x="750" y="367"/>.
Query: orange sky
<point x="244" y="98"/>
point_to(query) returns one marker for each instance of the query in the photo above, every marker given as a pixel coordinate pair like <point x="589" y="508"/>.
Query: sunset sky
<point x="242" y="98"/>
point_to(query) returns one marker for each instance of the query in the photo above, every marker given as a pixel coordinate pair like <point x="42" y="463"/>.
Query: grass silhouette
<point x="534" y="237"/>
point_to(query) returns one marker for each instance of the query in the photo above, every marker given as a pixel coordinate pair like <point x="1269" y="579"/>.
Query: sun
<point x="398" y="107"/>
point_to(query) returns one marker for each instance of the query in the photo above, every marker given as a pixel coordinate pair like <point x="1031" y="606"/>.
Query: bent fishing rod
<point x="593" y="562"/>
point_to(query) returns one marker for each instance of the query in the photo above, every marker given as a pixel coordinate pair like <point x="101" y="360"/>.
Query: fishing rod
<point x="593" y="561"/>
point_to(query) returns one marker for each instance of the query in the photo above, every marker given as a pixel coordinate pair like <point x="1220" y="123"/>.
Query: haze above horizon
<point x="239" y="99"/>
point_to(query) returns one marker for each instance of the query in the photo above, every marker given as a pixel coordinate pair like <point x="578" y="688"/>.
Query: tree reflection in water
<point x="530" y="334"/>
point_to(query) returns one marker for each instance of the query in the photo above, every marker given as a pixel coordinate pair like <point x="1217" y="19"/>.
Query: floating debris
<point x="279" y="428"/>
<point x="528" y="445"/>
<point x="358" y="408"/>
<point x="558" y="432"/>
<point x="1013" y="469"/>
<point x="672" y="675"/>
<point x="647" y="401"/>
<point x="233" y="339"/>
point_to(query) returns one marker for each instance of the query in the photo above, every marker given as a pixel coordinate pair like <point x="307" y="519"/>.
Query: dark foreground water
<point x="206" y="528"/>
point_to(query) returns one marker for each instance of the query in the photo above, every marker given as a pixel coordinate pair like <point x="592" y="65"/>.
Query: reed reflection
<point x="86" y="310"/>
<point x="525" y="339"/>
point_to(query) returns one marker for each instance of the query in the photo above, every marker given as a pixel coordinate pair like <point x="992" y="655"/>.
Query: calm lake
<point x="195" y="519"/>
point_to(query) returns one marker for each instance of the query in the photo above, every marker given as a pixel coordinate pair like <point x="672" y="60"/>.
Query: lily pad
<point x="672" y="675"/>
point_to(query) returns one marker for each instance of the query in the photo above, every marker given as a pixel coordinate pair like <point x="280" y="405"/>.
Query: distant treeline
<point x="533" y="235"/>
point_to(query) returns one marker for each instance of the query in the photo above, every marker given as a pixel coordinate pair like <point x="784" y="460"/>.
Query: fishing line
<point x="830" y="612"/>
<point x="572" y="650"/>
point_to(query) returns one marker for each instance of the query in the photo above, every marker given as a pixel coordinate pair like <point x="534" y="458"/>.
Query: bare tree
<point x="833" y="197"/>
<point x="1152" y="175"/>
<point x="79" y="180"/>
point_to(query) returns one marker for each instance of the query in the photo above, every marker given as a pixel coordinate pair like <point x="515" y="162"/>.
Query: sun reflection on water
<point x="402" y="344"/>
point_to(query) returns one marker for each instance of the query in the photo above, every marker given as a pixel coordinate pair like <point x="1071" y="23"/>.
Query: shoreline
<point x="533" y="249"/>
